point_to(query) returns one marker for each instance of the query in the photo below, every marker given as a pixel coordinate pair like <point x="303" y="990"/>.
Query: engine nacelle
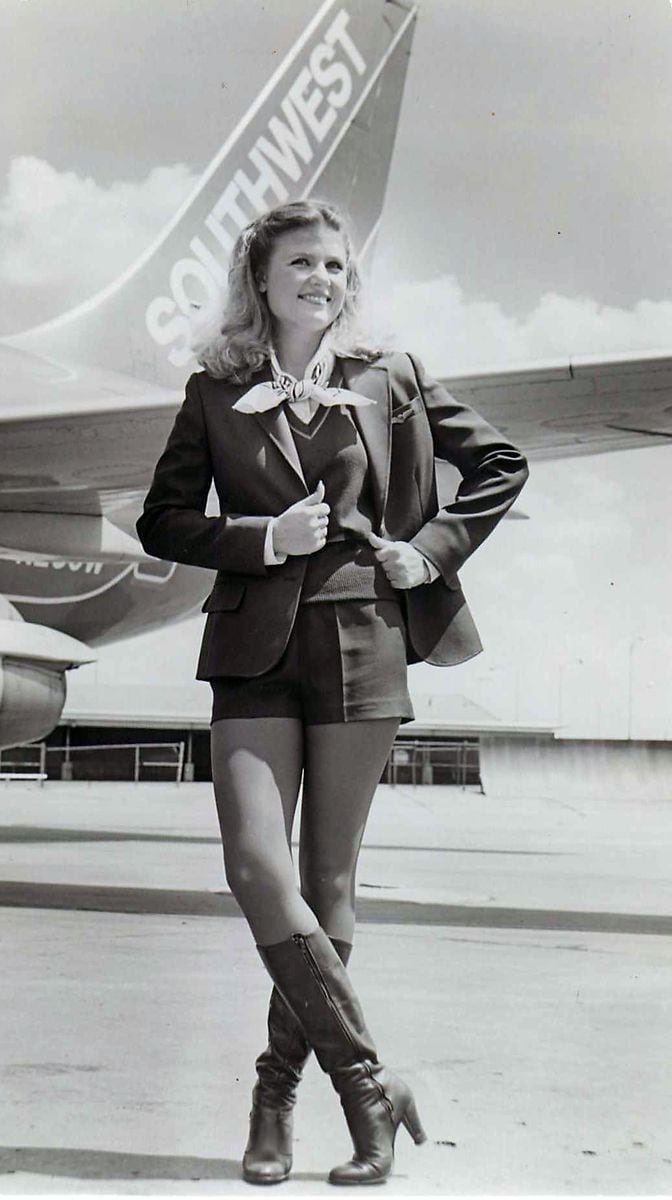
<point x="33" y="662"/>
<point x="31" y="701"/>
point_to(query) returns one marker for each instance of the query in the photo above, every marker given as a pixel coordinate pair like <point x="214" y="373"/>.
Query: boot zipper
<point x="317" y="975"/>
<point x="385" y="1099"/>
<point x="300" y="940"/>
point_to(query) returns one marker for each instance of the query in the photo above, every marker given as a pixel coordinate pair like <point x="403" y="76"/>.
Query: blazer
<point x="256" y="471"/>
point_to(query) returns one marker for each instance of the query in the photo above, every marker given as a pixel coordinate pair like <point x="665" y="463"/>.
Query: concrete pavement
<point x="514" y="960"/>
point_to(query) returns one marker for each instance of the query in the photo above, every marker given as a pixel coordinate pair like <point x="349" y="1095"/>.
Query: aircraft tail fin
<point x="323" y="125"/>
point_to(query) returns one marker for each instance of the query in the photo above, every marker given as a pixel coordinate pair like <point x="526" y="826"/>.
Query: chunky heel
<point x="375" y="1103"/>
<point x="411" y="1122"/>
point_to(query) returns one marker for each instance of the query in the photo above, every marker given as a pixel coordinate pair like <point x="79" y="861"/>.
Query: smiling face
<point x="305" y="280"/>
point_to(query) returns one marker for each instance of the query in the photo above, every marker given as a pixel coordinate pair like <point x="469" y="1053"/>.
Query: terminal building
<point x="445" y="746"/>
<point x="159" y="732"/>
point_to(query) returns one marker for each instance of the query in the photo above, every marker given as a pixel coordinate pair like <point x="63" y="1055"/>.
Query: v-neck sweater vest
<point x="330" y="449"/>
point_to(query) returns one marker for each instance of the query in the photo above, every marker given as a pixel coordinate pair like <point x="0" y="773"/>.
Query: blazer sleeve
<point x="173" y="524"/>
<point x="493" y="473"/>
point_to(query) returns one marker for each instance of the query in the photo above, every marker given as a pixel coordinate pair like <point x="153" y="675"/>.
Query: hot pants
<point x="345" y="661"/>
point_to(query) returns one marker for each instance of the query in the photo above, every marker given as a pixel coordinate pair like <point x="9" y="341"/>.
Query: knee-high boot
<point x="311" y="978"/>
<point x="268" y="1154"/>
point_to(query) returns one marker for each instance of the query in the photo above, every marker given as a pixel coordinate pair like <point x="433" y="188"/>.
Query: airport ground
<point x="514" y="959"/>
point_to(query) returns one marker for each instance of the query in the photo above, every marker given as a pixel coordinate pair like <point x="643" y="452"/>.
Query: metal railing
<point x="420" y="761"/>
<point x="126" y="760"/>
<point x="24" y="762"/>
<point x="412" y="761"/>
<point x="113" y="760"/>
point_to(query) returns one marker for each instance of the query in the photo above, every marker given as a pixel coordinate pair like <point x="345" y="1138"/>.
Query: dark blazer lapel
<point x="276" y="426"/>
<point x="373" y="422"/>
<point x="274" y="423"/>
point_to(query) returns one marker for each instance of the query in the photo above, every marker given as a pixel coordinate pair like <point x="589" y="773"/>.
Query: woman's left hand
<point x="404" y="566"/>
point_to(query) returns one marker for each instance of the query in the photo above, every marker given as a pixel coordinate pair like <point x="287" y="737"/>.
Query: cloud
<point x="453" y="333"/>
<point x="63" y="236"/>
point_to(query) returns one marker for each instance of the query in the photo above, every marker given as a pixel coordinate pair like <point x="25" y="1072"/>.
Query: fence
<point x="24" y="762"/>
<point x="426" y="762"/>
<point x="412" y="761"/>
<point x="112" y="761"/>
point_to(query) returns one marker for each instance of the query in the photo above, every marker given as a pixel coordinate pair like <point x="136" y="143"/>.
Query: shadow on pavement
<point x="66" y="1162"/>
<point x="169" y="902"/>
<point x="30" y="834"/>
<point x="109" y="1164"/>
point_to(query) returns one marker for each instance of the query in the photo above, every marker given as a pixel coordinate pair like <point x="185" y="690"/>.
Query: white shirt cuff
<point x="271" y="559"/>
<point x="433" y="572"/>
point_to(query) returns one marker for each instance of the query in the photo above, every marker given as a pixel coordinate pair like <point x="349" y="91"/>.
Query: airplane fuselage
<point x="102" y="602"/>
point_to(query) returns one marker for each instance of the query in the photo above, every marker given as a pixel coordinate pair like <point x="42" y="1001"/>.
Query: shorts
<point x="345" y="661"/>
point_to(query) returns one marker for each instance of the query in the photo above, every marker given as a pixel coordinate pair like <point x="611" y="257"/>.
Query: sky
<point x="526" y="219"/>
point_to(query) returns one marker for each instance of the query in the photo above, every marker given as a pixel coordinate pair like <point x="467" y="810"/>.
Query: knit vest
<point x="330" y="449"/>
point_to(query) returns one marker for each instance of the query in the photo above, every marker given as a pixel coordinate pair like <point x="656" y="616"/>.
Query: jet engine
<point x="33" y="662"/>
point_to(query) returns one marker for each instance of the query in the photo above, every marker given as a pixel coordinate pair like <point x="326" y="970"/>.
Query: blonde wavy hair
<point x="241" y="345"/>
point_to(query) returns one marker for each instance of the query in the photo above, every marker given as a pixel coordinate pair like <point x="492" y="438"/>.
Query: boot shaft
<point x="280" y="1065"/>
<point x="309" y="974"/>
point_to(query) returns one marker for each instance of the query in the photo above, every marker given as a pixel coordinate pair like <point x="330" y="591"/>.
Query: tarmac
<point x="513" y="957"/>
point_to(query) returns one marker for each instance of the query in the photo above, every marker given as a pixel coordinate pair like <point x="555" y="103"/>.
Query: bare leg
<point x="256" y="767"/>
<point x="343" y="765"/>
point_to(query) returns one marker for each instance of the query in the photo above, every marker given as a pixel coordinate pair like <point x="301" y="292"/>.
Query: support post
<point x="66" y="764"/>
<point x="180" y="762"/>
<point x="188" y="769"/>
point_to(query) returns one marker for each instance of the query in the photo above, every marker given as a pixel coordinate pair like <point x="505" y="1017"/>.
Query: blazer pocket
<point x="225" y="597"/>
<point x="410" y="409"/>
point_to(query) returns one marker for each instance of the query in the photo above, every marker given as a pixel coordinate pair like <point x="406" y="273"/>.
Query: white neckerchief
<point x="305" y="395"/>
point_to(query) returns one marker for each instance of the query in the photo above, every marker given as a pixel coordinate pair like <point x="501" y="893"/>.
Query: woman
<point x="335" y="567"/>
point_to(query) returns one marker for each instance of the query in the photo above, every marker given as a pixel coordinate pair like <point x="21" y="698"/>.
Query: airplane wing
<point x="84" y="450"/>
<point x="69" y="430"/>
<point x="580" y="406"/>
<point x="77" y="451"/>
<point x="72" y="477"/>
<point x="82" y="441"/>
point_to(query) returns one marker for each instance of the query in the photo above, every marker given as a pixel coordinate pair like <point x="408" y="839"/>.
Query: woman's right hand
<point x="302" y="528"/>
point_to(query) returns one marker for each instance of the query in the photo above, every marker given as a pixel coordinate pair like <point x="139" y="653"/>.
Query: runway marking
<point x="169" y="902"/>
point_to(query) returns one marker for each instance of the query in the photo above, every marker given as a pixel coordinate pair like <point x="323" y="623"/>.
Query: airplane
<point x="87" y="399"/>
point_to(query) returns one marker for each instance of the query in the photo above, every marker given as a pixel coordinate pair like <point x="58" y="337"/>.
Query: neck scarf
<point x="305" y="395"/>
